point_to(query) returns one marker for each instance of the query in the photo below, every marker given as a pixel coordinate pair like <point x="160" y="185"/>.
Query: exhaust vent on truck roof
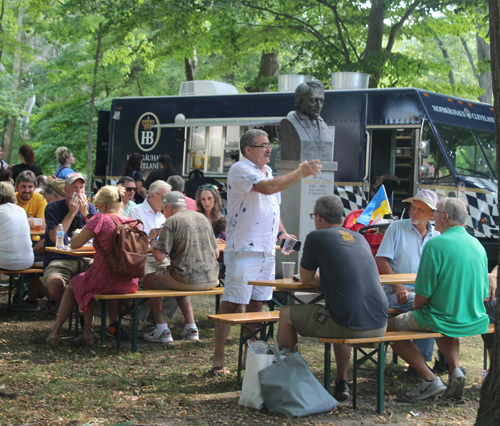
<point x="206" y="87"/>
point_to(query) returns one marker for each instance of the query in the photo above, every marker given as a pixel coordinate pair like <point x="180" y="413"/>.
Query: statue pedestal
<point x="297" y="202"/>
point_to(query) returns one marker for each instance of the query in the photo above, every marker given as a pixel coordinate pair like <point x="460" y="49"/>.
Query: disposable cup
<point x="289" y="244"/>
<point x="288" y="269"/>
<point x="38" y="224"/>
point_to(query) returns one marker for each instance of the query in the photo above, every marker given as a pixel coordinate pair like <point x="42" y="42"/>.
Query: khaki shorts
<point x="315" y="321"/>
<point x="64" y="269"/>
<point x="407" y="322"/>
<point x="164" y="281"/>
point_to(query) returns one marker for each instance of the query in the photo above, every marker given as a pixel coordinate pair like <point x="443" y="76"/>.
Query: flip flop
<point x="83" y="342"/>
<point x="219" y="371"/>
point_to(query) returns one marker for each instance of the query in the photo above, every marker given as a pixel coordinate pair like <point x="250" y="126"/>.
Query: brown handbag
<point x="129" y="247"/>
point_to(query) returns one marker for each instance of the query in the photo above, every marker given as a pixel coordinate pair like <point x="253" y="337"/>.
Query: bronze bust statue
<point x="304" y="134"/>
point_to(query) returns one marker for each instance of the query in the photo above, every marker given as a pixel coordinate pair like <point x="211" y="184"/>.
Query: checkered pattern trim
<point x="352" y="198"/>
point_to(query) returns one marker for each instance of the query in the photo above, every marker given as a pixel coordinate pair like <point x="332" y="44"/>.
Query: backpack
<point x="129" y="247"/>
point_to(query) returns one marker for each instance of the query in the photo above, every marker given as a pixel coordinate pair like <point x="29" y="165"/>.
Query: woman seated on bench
<point x="97" y="279"/>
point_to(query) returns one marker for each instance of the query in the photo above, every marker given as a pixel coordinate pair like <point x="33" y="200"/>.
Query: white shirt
<point x="150" y="219"/>
<point x="252" y="218"/>
<point x="15" y="241"/>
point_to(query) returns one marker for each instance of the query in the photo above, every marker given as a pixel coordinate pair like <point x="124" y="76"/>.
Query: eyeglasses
<point x="439" y="211"/>
<point x="313" y="215"/>
<point x="265" y="146"/>
<point x="131" y="189"/>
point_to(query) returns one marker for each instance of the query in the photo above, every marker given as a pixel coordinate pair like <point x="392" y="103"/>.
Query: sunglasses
<point x="208" y="187"/>
<point x="131" y="189"/>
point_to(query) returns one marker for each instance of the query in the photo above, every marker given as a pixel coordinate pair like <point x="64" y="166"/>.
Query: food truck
<point x="428" y="140"/>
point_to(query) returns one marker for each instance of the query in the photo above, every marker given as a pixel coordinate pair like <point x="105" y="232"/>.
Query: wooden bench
<point x="139" y="301"/>
<point x="265" y="319"/>
<point x="377" y="356"/>
<point x="19" y="282"/>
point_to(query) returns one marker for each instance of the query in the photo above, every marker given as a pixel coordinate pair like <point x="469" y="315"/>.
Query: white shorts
<point x="245" y="266"/>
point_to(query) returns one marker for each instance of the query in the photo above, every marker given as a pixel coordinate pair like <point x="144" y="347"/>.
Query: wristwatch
<point x="281" y="233"/>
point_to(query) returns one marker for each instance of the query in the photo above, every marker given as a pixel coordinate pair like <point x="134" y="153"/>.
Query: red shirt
<point x="191" y="204"/>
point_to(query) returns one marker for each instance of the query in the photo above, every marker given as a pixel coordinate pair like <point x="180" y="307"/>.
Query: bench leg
<point x="104" y="313"/>
<point x="217" y="303"/>
<point x="135" y="324"/>
<point x="328" y="367"/>
<point x="485" y="358"/>
<point x="20" y="299"/>
<point x="240" y="351"/>
<point x="382" y="352"/>
<point x="355" y="379"/>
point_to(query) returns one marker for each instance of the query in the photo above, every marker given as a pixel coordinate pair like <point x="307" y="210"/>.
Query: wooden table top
<point x="33" y="232"/>
<point x="85" y="251"/>
<point x="386" y="279"/>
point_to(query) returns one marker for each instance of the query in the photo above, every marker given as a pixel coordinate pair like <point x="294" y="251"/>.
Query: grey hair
<point x="248" y="138"/>
<point x="7" y="193"/>
<point x="157" y="185"/>
<point x="174" y="206"/>
<point x="330" y="208"/>
<point x="455" y="208"/>
<point x="49" y="190"/>
<point x="62" y="155"/>
<point x="176" y="182"/>
<point x="26" y="176"/>
<point x="303" y="90"/>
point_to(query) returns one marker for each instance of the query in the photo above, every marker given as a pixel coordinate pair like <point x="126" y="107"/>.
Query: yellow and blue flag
<point x="378" y="205"/>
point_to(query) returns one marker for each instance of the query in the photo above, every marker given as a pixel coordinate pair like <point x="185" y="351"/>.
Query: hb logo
<point x="147" y="136"/>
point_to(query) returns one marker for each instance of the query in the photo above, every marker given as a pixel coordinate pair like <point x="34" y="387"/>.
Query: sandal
<point x="219" y="371"/>
<point x="83" y="342"/>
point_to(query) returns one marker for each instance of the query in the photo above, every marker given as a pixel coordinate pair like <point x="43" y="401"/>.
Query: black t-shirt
<point x="349" y="277"/>
<point x="159" y="174"/>
<point x="18" y="168"/>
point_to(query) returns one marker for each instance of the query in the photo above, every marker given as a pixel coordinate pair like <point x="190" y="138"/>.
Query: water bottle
<point x="60" y="236"/>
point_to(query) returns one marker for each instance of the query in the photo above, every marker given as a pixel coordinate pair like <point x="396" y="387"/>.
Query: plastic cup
<point x="38" y="224"/>
<point x="288" y="245"/>
<point x="288" y="269"/>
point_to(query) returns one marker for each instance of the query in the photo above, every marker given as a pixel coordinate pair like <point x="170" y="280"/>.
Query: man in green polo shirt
<point x="451" y="283"/>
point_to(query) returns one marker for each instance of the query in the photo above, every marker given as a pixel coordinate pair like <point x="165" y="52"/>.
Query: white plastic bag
<point x="251" y="395"/>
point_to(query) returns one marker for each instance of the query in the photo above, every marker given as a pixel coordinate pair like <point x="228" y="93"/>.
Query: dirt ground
<point x="170" y="384"/>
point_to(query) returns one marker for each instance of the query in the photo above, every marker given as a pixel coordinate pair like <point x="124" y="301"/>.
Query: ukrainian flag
<point x="378" y="205"/>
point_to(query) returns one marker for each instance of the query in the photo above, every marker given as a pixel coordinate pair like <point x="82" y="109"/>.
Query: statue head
<point x="309" y="98"/>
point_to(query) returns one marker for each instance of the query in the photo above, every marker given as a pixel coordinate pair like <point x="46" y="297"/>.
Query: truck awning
<point x="230" y="121"/>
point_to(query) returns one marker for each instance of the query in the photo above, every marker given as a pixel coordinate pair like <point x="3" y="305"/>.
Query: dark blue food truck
<point x="427" y="140"/>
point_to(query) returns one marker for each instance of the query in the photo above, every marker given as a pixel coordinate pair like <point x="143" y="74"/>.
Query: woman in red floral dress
<point x="97" y="279"/>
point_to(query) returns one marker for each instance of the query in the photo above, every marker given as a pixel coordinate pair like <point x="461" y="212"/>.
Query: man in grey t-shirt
<point x="187" y="238"/>
<point x="355" y="304"/>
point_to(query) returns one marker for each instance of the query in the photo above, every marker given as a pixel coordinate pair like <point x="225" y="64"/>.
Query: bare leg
<point x="222" y="331"/>
<point x="55" y="288"/>
<point x="87" y="321"/>
<point x="155" y="303"/>
<point x="342" y="357"/>
<point x="450" y="348"/>
<point x="186" y="308"/>
<point x="287" y="336"/>
<point x="66" y="308"/>
<point x="35" y="286"/>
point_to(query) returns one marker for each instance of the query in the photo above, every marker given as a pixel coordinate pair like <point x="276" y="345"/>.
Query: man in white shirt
<point x="253" y="224"/>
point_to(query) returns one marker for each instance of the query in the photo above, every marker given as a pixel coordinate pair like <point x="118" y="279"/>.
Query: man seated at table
<point x="188" y="239"/>
<point x="73" y="212"/>
<point x="34" y="205"/>
<point x="452" y="281"/>
<point x="355" y="304"/>
<point x="400" y="252"/>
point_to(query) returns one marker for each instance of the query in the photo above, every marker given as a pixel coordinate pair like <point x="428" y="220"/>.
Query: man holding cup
<point x="341" y="263"/>
<point x="253" y="224"/>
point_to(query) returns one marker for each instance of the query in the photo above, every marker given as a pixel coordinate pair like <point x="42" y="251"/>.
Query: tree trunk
<point x="269" y="67"/>
<point x="446" y="57"/>
<point x="484" y="54"/>
<point x="374" y="41"/>
<point x="191" y="66"/>
<point x="1" y="29"/>
<point x="489" y="414"/>
<point x="17" y="74"/>
<point x="91" y="119"/>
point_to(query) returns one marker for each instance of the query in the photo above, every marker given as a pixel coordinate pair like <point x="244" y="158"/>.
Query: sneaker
<point x="159" y="337"/>
<point x="456" y="384"/>
<point x="28" y="306"/>
<point x="52" y="308"/>
<point x="427" y="390"/>
<point x="341" y="392"/>
<point x="113" y="331"/>
<point x="190" y="334"/>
